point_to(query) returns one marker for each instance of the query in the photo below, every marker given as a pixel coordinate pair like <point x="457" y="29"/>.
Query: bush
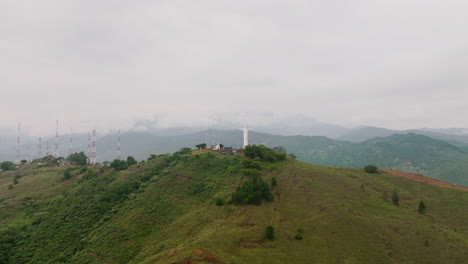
<point x="131" y="161"/>
<point x="119" y="165"/>
<point x="251" y="164"/>
<point x="422" y="207"/>
<point x="253" y="191"/>
<point x="78" y="158"/>
<point x="371" y="169"/>
<point x="274" y="183"/>
<point x="7" y="165"/>
<point x="219" y="202"/>
<point x="395" y="198"/>
<point x="263" y="153"/>
<point x="67" y="175"/>
<point x="298" y="236"/>
<point x="270" y="233"/>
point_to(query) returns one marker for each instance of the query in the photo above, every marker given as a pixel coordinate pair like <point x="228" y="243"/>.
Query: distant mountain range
<point x="437" y="153"/>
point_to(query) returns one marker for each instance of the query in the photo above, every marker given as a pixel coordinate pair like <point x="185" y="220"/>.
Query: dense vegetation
<point x="180" y="208"/>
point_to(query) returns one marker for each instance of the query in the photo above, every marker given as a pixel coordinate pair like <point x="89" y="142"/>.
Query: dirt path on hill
<point x="416" y="177"/>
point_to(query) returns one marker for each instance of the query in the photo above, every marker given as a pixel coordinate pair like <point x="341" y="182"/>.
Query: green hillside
<point x="164" y="211"/>
<point x="411" y="152"/>
<point x="407" y="152"/>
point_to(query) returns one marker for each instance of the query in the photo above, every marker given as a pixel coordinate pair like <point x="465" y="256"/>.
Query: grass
<point x="172" y="216"/>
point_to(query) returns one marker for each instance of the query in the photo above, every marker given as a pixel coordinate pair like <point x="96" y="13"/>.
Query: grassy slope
<point x="344" y="213"/>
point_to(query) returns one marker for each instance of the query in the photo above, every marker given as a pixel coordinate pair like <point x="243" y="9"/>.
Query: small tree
<point x="78" y="158"/>
<point x="131" y="161"/>
<point x="395" y="198"/>
<point x="201" y="146"/>
<point x="7" y="165"/>
<point x="270" y="233"/>
<point x="23" y="161"/>
<point x="422" y="207"/>
<point x="118" y="165"/>
<point x="292" y="156"/>
<point x="371" y="169"/>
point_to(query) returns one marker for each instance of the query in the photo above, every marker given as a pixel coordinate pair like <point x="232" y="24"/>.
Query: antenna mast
<point x="18" y="144"/>
<point x="39" y="149"/>
<point x="28" y="158"/>
<point x="118" y="147"/>
<point x="93" y="148"/>
<point x="56" y="151"/>
<point x="89" y="149"/>
<point x="47" y="148"/>
<point x="70" y="151"/>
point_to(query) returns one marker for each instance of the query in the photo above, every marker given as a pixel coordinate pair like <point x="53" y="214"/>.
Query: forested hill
<point x="202" y="207"/>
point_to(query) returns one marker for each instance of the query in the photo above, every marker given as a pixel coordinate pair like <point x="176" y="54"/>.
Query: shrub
<point x="371" y="169"/>
<point x="274" y="183"/>
<point x="119" y="165"/>
<point x="131" y="161"/>
<point x="395" y="198"/>
<point x="7" y="165"/>
<point x="422" y="207"/>
<point x="270" y="233"/>
<point x="219" y="202"/>
<point x="298" y="236"/>
<point x="263" y="153"/>
<point x="251" y="164"/>
<point x="78" y="158"/>
<point x="67" y="175"/>
<point x="253" y="191"/>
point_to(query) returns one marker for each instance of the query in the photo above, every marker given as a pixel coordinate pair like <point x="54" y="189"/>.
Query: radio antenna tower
<point x="39" y="149"/>
<point x="93" y="148"/>
<point x="18" y="144"/>
<point x="70" y="151"/>
<point x="28" y="157"/>
<point x="56" y="151"/>
<point x="89" y="149"/>
<point x="47" y="148"/>
<point x="118" y="147"/>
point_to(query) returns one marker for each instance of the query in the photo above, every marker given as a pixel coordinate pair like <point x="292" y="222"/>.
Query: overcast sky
<point x="105" y="64"/>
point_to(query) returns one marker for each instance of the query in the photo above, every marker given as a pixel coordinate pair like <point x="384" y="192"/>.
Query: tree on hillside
<point x="131" y="161"/>
<point x="7" y="165"/>
<point x="263" y="153"/>
<point x="270" y="233"/>
<point x="201" y="146"/>
<point x="422" y="207"/>
<point x="253" y="191"/>
<point x="395" y="198"/>
<point x="78" y="158"/>
<point x="23" y="161"/>
<point x="371" y="169"/>
<point x="118" y="165"/>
